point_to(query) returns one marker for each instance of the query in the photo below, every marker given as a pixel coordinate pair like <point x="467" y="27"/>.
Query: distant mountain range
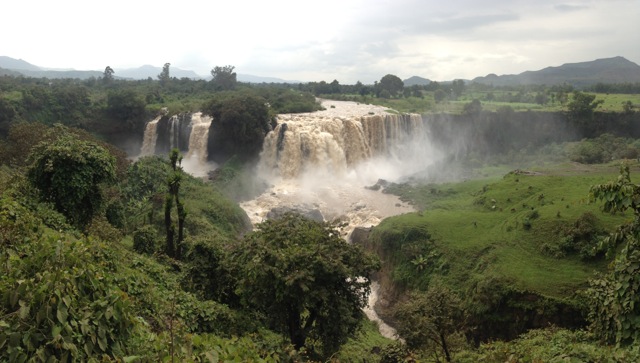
<point x="16" y="67"/>
<point x="607" y="70"/>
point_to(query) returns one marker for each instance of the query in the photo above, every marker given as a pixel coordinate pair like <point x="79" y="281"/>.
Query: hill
<point x="248" y="78"/>
<point x="148" y="70"/>
<point x="606" y="70"/>
<point x="16" y="64"/>
<point x="415" y="80"/>
<point x="8" y="72"/>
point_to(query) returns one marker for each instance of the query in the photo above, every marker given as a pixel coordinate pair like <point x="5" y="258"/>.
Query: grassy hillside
<point x="509" y="226"/>
<point x="519" y="248"/>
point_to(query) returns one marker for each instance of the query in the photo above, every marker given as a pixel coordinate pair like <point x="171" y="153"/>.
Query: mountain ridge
<point x="604" y="70"/>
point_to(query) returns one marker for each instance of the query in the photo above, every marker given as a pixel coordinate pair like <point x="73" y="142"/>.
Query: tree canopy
<point x="240" y="123"/>
<point x="224" y="78"/>
<point x="307" y="281"/>
<point x="68" y="172"/>
<point x="392" y="84"/>
<point x="582" y="106"/>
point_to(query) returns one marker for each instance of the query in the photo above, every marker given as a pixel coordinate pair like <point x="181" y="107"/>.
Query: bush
<point x="581" y="237"/>
<point x="587" y="152"/>
<point x="396" y="353"/>
<point x="60" y="304"/>
<point x="144" y="240"/>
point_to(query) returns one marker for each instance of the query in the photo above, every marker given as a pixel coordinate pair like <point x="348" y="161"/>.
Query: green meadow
<point x="506" y="226"/>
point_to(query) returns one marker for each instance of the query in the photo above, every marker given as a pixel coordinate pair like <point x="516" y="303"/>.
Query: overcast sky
<point x="347" y="40"/>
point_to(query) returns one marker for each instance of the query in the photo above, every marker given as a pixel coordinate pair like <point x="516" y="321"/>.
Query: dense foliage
<point x="306" y="280"/>
<point x="615" y="308"/>
<point x="69" y="173"/>
<point x="241" y="123"/>
<point x="292" y="290"/>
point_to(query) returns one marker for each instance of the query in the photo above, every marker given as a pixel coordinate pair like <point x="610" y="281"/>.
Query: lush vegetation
<point x="136" y="282"/>
<point x="308" y="283"/>
<point x="117" y="110"/>
<point x="102" y="259"/>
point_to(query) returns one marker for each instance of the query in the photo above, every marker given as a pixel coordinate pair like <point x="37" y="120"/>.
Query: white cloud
<point x="347" y="40"/>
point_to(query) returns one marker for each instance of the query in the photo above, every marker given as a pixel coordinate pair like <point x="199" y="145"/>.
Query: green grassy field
<point x="499" y="226"/>
<point x="612" y="103"/>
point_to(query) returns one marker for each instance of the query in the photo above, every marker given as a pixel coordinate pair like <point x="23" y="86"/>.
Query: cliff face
<point x="494" y="133"/>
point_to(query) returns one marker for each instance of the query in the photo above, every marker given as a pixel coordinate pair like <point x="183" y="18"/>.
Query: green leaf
<point x="102" y="343"/>
<point x="62" y="314"/>
<point x="55" y="331"/>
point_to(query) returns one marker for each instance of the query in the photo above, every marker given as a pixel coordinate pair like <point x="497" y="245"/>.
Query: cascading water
<point x="322" y="161"/>
<point x="150" y="137"/>
<point x="199" y="136"/>
<point x="336" y="145"/>
<point x="188" y="132"/>
<point x="318" y="161"/>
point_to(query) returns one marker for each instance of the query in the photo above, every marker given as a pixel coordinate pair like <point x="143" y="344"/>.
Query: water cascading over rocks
<point x="187" y="131"/>
<point x="336" y="144"/>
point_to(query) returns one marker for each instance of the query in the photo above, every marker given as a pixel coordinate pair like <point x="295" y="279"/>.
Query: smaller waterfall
<point x="150" y="137"/>
<point x="199" y="136"/>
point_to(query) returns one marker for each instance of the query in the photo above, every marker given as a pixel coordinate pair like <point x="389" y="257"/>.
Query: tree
<point x="173" y="245"/>
<point x="614" y="308"/>
<point x="428" y="318"/>
<point x="7" y="113"/>
<point x="224" y="78"/>
<point x="308" y="282"/>
<point x="240" y="124"/>
<point x="69" y="172"/>
<point x="127" y="107"/>
<point x="457" y="87"/>
<point x="107" y="76"/>
<point x="392" y="84"/>
<point x="628" y="107"/>
<point x="582" y="106"/>
<point x="472" y="108"/>
<point x="439" y="95"/>
<point x="165" y="76"/>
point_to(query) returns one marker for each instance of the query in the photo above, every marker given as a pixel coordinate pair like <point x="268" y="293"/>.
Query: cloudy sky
<point x="347" y="40"/>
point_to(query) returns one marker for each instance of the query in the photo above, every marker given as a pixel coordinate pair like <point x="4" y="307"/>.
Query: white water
<point x="150" y="137"/>
<point x="195" y="162"/>
<point x="324" y="160"/>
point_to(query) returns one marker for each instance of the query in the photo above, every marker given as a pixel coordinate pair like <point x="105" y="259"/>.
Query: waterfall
<point x="150" y="137"/>
<point x="199" y="136"/>
<point x="334" y="145"/>
<point x="188" y="132"/>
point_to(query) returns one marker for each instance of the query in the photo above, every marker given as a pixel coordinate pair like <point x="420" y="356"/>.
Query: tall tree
<point x="457" y="87"/>
<point x="174" y="245"/>
<point x="308" y="282"/>
<point x="224" y="78"/>
<point x="165" y="75"/>
<point x="107" y="76"/>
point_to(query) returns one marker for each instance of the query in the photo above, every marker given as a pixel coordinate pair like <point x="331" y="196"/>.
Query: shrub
<point x="144" y="240"/>
<point x="60" y="304"/>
